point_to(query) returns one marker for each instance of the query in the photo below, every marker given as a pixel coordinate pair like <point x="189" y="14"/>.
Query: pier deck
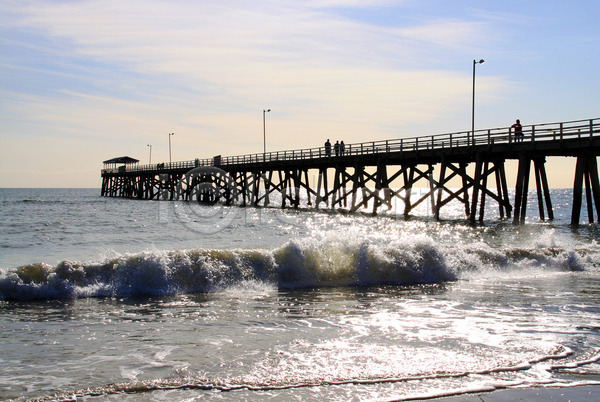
<point x="363" y="174"/>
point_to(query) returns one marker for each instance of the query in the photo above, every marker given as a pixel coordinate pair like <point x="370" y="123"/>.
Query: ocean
<point x="116" y="299"/>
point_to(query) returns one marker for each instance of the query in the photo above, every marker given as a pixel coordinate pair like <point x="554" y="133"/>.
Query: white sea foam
<point x="328" y="260"/>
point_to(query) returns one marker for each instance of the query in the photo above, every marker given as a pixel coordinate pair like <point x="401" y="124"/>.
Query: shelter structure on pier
<point x="119" y="163"/>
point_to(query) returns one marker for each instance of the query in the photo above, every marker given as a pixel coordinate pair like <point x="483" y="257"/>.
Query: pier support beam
<point x="586" y="171"/>
<point x="461" y="194"/>
<point x="543" y="192"/>
<point x="521" y="189"/>
<point x="476" y="187"/>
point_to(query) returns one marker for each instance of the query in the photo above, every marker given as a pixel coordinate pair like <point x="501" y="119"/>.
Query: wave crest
<point x="332" y="261"/>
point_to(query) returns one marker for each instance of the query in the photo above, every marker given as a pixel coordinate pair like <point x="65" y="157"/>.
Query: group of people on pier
<point x="339" y="148"/>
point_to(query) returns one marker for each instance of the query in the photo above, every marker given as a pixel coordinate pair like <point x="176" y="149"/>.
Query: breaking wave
<point x="296" y="264"/>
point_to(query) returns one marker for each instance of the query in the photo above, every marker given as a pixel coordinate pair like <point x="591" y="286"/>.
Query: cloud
<point x="124" y="73"/>
<point x="234" y="50"/>
<point x="352" y="3"/>
<point x="445" y="33"/>
<point x="203" y="37"/>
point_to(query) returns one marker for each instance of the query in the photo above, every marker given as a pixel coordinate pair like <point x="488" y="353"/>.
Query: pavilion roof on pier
<point x="121" y="159"/>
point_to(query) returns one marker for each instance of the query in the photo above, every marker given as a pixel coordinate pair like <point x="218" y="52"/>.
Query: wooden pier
<point x="372" y="174"/>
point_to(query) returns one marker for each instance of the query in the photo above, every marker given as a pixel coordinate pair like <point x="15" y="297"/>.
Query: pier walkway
<point x="370" y="174"/>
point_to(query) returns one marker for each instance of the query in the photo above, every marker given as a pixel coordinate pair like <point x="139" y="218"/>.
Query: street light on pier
<point x="265" y="133"/>
<point x="170" y="134"/>
<point x="150" y="156"/>
<point x="473" y="103"/>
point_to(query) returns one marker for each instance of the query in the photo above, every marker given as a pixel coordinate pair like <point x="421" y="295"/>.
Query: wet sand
<point x="580" y="393"/>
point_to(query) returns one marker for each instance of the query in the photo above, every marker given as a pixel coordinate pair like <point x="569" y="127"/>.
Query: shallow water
<point x="123" y="299"/>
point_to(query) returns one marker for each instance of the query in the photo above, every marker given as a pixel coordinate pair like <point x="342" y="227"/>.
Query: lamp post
<point x="170" y="134"/>
<point x="473" y="103"/>
<point x="150" y="156"/>
<point x="265" y="134"/>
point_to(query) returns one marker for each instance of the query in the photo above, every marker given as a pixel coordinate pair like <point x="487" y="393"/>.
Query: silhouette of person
<point x="327" y="147"/>
<point x="342" y="148"/>
<point x="336" y="148"/>
<point x="518" y="129"/>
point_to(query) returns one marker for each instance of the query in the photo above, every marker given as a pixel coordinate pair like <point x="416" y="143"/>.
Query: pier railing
<point x="537" y="133"/>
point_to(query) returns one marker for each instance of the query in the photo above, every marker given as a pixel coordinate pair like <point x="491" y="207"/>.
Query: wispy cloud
<point x="128" y="71"/>
<point x="203" y="37"/>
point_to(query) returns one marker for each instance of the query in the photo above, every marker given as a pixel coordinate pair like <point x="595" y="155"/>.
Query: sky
<point x="82" y="81"/>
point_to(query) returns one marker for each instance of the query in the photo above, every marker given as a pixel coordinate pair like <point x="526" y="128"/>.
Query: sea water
<point x="115" y="299"/>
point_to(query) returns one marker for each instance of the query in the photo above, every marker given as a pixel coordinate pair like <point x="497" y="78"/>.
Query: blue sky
<point x="84" y="81"/>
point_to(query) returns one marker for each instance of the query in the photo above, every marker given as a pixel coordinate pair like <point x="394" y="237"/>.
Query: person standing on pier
<point x="327" y="148"/>
<point x="342" y="148"/>
<point x="518" y="129"/>
<point x="336" y="148"/>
